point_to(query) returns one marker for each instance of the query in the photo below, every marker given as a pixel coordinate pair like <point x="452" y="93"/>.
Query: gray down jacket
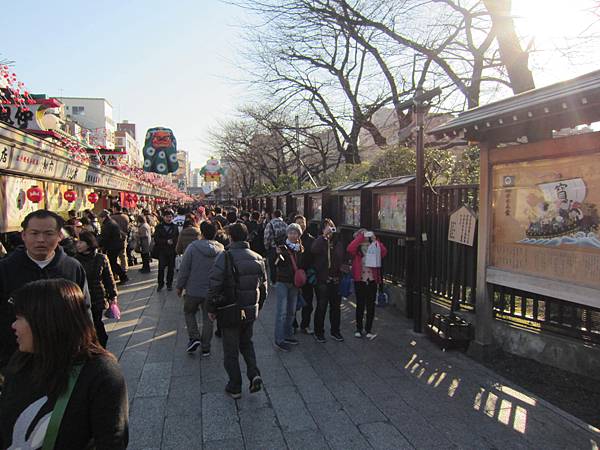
<point x="252" y="286"/>
<point x="196" y="264"/>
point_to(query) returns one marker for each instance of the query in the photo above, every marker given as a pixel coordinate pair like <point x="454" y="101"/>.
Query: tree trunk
<point x="513" y="57"/>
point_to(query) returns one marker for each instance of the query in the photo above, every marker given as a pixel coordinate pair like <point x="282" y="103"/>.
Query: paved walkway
<point x="399" y="391"/>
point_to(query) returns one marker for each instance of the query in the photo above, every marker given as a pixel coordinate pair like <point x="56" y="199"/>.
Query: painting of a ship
<point x="562" y="213"/>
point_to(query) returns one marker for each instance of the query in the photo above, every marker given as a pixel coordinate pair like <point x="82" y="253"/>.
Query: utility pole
<point x="298" y="162"/>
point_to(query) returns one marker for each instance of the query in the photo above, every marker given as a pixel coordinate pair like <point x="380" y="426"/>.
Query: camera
<point x="333" y="229"/>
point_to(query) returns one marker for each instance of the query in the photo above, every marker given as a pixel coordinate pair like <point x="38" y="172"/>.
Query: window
<point x="351" y="210"/>
<point x="391" y="211"/>
<point x="78" y="111"/>
<point x="316" y="206"/>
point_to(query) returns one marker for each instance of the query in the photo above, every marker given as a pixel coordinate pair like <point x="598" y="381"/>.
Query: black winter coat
<point x="328" y="259"/>
<point x="111" y="237"/>
<point x="252" y="277"/>
<point x="18" y="269"/>
<point x="100" y="279"/>
<point x="162" y="234"/>
<point x="285" y="268"/>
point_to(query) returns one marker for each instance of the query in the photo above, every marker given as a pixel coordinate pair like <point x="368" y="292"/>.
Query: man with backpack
<point x="112" y="240"/>
<point x="275" y="234"/>
<point x="237" y="291"/>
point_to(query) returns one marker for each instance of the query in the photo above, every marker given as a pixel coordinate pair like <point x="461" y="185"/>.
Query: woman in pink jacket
<point x="367" y="253"/>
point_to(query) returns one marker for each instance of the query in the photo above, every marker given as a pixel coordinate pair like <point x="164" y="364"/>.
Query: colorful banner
<point x="15" y="205"/>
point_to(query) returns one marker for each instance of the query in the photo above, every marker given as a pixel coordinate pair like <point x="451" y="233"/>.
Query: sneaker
<point x="371" y="336"/>
<point x="307" y="331"/>
<point x="337" y="337"/>
<point x="284" y="347"/>
<point x="193" y="345"/>
<point x="320" y="338"/>
<point x="233" y="394"/>
<point x="123" y="280"/>
<point x="256" y="384"/>
<point x="291" y="341"/>
<point x="205" y="353"/>
<point x="358" y="334"/>
<point x="159" y="288"/>
<point x="144" y="270"/>
<point x="169" y="288"/>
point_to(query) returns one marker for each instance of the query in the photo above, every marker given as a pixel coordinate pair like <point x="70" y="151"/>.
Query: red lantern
<point x="70" y="195"/>
<point x="35" y="194"/>
<point x="93" y="197"/>
<point x="128" y="197"/>
<point x="134" y="197"/>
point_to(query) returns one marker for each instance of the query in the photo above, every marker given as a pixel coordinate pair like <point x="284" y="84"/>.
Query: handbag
<point x="113" y="311"/>
<point x="59" y="409"/>
<point x="299" y="274"/>
<point x="383" y="298"/>
<point x="346" y="285"/>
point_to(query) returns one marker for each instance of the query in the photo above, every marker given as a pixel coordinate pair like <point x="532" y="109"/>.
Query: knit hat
<point x="294" y="227"/>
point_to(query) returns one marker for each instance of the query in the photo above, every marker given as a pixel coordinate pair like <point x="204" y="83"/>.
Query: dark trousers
<point x="99" y="326"/>
<point x="146" y="261"/>
<point x="113" y="259"/>
<point x="238" y="340"/>
<point x="328" y="294"/>
<point x="166" y="260"/>
<point x="365" y="292"/>
<point x="308" y="292"/>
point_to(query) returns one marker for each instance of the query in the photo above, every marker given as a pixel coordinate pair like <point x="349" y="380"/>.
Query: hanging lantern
<point x="128" y="197"/>
<point x="92" y="197"/>
<point x="35" y="194"/>
<point x="134" y="197"/>
<point x="70" y="195"/>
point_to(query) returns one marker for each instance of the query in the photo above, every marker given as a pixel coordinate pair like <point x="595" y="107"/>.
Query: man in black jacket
<point x="40" y="258"/>
<point x="240" y="274"/>
<point x="111" y="240"/>
<point x="165" y="241"/>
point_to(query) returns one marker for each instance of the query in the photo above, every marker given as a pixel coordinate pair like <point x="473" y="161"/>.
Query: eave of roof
<point x="560" y="105"/>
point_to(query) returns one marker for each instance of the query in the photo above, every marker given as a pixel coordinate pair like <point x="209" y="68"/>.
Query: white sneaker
<point x="371" y="336"/>
<point x="358" y="334"/>
<point x="307" y="331"/>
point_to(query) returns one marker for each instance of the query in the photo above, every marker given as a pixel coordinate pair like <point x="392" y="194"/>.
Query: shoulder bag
<point x="59" y="410"/>
<point x="299" y="274"/>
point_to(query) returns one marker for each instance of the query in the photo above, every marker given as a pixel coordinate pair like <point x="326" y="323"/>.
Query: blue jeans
<point x="287" y="296"/>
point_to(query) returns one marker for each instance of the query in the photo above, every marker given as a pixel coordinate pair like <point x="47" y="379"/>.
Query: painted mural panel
<point x="545" y="219"/>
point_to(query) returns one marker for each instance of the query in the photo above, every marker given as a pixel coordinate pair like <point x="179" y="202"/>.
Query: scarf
<point x="294" y="247"/>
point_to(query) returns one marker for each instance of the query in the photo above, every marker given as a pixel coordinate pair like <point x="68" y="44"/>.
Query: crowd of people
<point x="226" y="261"/>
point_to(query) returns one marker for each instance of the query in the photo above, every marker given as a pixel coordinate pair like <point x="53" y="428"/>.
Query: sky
<point x="176" y="63"/>
<point x="158" y="63"/>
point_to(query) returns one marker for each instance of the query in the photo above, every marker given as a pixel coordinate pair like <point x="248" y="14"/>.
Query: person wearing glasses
<point x="40" y="258"/>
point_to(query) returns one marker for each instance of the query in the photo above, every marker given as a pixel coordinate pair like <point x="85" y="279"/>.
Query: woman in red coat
<point x="367" y="253"/>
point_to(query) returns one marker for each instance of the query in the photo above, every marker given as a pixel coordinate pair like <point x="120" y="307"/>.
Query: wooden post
<point x="483" y="299"/>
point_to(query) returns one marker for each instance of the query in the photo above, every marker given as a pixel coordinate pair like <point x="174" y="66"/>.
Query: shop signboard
<point x="25" y="161"/>
<point x="546" y="221"/>
<point x="5" y="154"/>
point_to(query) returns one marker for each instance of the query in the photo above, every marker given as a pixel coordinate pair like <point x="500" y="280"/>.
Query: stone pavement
<point x="398" y="391"/>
